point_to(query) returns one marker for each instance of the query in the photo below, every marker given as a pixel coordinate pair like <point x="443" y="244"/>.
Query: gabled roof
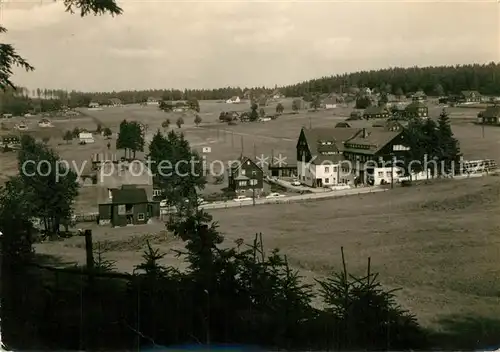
<point x="115" y="101"/>
<point x="128" y="195"/>
<point x="235" y="166"/>
<point x="419" y="94"/>
<point x="321" y="141"/>
<point x="491" y="111"/>
<point x="375" y="138"/>
<point x="330" y="101"/>
<point x="470" y="93"/>
<point x="375" y="110"/>
<point x="415" y="105"/>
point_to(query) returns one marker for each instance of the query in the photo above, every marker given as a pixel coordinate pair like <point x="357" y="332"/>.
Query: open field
<point x="438" y="242"/>
<point x="227" y="142"/>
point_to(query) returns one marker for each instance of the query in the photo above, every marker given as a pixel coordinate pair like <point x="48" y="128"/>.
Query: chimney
<point x="110" y="194"/>
<point x="364" y="133"/>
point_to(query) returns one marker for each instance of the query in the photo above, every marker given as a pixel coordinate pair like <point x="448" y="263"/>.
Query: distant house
<point x="319" y="156"/>
<point x="233" y="100"/>
<point x="469" y="96"/>
<point x="10" y="140"/>
<point x="115" y="102"/>
<point x="152" y="101"/>
<point x="277" y="95"/>
<point x="43" y="123"/>
<point x="245" y="175"/>
<point x="365" y="91"/>
<point x="376" y="112"/>
<point x="127" y="205"/>
<point x="93" y="105"/>
<point x="490" y="116"/>
<point x="419" y="96"/>
<point x="416" y="109"/>
<point x="355" y="115"/>
<point x="86" y="138"/>
<point x="329" y="103"/>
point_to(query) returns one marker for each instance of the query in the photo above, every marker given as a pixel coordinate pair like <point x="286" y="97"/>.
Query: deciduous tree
<point x="279" y="108"/>
<point x="68" y="137"/>
<point x="197" y="120"/>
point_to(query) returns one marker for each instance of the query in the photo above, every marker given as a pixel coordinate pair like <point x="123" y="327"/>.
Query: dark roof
<point x="129" y="195"/>
<point x="415" y="105"/>
<point x="491" y="111"/>
<point x="419" y="94"/>
<point x="470" y="93"/>
<point x="335" y="136"/>
<point x="375" y="110"/>
<point x="375" y="137"/>
<point x="235" y="166"/>
<point x="354" y="124"/>
<point x="330" y="101"/>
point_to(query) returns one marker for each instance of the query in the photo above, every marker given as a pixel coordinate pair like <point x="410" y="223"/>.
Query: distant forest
<point x="434" y="81"/>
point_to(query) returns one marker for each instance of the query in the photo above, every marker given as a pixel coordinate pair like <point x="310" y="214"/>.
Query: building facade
<point x="245" y="175"/>
<point x="416" y="109"/>
<point x="329" y="157"/>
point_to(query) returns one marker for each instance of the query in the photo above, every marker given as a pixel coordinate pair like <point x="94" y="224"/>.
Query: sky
<point x="207" y="44"/>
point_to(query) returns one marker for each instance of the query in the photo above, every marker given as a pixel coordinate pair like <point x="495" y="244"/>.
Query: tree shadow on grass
<point x="52" y="260"/>
<point x="467" y="333"/>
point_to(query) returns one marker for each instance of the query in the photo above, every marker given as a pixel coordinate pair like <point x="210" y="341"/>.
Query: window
<point x="157" y="192"/>
<point x="242" y="183"/>
<point x="335" y="169"/>
<point x="327" y="169"/>
<point x="327" y="180"/>
<point x="380" y="174"/>
<point x="140" y="217"/>
<point x="243" y="171"/>
<point x="388" y="174"/>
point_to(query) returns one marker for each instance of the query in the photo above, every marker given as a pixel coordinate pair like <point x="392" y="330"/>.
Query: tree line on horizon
<point x="433" y="80"/>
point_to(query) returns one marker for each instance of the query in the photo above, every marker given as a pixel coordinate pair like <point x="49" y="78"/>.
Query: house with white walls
<point x="329" y="157"/>
<point x="86" y="138"/>
<point x="233" y="100"/>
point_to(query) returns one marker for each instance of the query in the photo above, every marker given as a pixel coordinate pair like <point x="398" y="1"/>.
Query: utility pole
<point x="392" y="171"/>
<point x="310" y="123"/>
<point x="482" y="127"/>
<point x="242" y="146"/>
<point x="253" y="181"/>
<point x="254" y="152"/>
<point x="272" y="157"/>
<point x="232" y="140"/>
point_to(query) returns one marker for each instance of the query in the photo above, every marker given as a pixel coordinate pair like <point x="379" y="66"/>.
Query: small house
<point x="233" y="100"/>
<point x="43" y="123"/>
<point x="329" y="103"/>
<point x="376" y="112"/>
<point x="10" y="140"/>
<point x="86" y="138"/>
<point x="469" y="96"/>
<point x="115" y="102"/>
<point x="419" y="96"/>
<point x="355" y="115"/>
<point x="416" y="109"/>
<point x="490" y="116"/>
<point x="152" y="101"/>
<point x="93" y="105"/>
<point x="245" y="175"/>
<point x="128" y="205"/>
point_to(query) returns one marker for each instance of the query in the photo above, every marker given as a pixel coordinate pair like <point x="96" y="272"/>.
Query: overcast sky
<point x="205" y="44"/>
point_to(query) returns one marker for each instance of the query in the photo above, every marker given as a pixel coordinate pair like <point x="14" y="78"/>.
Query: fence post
<point x="89" y="252"/>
